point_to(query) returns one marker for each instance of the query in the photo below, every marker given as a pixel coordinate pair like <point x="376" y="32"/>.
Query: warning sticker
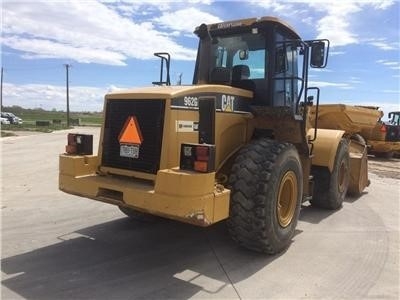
<point x="130" y="138"/>
<point x="187" y="126"/>
<point x="130" y="133"/>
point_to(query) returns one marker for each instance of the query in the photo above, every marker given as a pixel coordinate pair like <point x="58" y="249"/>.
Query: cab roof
<point x="251" y="22"/>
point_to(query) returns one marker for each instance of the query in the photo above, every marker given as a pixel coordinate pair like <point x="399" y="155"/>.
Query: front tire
<point x="266" y="192"/>
<point x="330" y="189"/>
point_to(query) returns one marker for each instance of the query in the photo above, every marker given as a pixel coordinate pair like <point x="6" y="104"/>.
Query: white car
<point x="4" y="120"/>
<point x="13" y="119"/>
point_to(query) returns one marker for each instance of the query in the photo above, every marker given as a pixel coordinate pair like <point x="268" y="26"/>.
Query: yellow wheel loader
<point x="236" y="145"/>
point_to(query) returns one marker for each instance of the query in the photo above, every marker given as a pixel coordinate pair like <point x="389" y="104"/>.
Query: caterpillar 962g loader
<point x="237" y="144"/>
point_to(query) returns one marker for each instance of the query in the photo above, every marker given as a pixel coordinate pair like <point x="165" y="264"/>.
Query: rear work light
<point x="383" y="128"/>
<point x="81" y="144"/>
<point x="197" y="157"/>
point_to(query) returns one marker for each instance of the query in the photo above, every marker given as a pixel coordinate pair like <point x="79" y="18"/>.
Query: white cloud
<point x="331" y="20"/>
<point x="383" y="44"/>
<point x="343" y="85"/>
<point x="392" y="91"/>
<point x="39" y="48"/>
<point x="394" y="65"/>
<point x="205" y="2"/>
<point x="381" y="4"/>
<point x="356" y="80"/>
<point x="87" y="31"/>
<point x="276" y="6"/>
<point x="82" y="98"/>
<point x="334" y="53"/>
<point x="320" y="70"/>
<point x="335" y="24"/>
<point x="186" y="20"/>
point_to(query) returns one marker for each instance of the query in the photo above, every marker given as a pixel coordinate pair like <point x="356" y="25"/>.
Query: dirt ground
<point x="385" y="168"/>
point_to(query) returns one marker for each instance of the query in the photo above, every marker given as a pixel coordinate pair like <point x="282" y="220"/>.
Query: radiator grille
<point x="392" y="133"/>
<point x="150" y="117"/>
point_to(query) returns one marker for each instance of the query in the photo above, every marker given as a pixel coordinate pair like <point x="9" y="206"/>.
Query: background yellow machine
<point x="238" y="144"/>
<point x="363" y="124"/>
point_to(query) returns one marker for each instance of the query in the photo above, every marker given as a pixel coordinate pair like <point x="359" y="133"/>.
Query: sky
<point x="109" y="45"/>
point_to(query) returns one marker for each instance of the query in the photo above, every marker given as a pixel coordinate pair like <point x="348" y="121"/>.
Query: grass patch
<point x="53" y="120"/>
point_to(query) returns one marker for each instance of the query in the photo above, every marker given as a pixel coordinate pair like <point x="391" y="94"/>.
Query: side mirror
<point x="243" y="54"/>
<point x="319" y="53"/>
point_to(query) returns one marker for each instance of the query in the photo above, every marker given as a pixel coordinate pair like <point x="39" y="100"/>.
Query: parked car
<point x="11" y="117"/>
<point x="4" y="121"/>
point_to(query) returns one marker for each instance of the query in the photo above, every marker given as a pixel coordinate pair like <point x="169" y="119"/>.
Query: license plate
<point x="131" y="151"/>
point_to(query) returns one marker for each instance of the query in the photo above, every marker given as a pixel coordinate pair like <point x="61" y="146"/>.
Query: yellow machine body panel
<point x="384" y="147"/>
<point x="325" y="146"/>
<point x="186" y="196"/>
<point x="351" y="119"/>
<point x="177" y="194"/>
<point x="361" y="120"/>
<point x="232" y="129"/>
<point x="358" y="168"/>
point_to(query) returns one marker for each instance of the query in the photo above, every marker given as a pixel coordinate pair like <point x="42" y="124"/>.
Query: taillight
<point x="383" y="128"/>
<point x="197" y="157"/>
<point x="81" y="144"/>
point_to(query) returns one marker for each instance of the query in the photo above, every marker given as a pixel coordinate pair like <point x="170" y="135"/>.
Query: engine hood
<point x="166" y="92"/>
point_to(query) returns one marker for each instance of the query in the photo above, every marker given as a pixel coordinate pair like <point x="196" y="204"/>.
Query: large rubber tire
<point x="138" y="215"/>
<point x="358" y="138"/>
<point x="266" y="191"/>
<point x="330" y="189"/>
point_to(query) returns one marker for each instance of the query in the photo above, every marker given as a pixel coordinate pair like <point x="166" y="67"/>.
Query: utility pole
<point x="67" y="74"/>
<point x="1" y="90"/>
<point x="179" y="82"/>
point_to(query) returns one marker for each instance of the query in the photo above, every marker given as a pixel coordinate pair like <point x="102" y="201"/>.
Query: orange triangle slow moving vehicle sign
<point x="130" y="133"/>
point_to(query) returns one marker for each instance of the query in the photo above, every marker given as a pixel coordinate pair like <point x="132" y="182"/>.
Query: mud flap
<point x="358" y="168"/>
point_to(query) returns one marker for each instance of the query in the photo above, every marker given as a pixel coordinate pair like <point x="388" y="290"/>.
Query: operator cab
<point x="260" y="55"/>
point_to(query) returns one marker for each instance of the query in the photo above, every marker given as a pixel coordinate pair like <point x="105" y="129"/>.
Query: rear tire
<point x="330" y="189"/>
<point x="266" y="191"/>
<point x="358" y="138"/>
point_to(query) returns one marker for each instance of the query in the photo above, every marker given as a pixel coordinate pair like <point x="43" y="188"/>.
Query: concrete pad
<point x="59" y="246"/>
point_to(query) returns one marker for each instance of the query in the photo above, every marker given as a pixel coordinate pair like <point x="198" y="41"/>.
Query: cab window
<point x="255" y="60"/>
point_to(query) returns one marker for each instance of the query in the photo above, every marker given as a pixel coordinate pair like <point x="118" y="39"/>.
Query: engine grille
<point x="392" y="133"/>
<point x="150" y="117"/>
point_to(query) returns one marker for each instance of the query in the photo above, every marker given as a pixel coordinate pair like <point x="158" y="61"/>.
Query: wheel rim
<point x="342" y="177"/>
<point x="287" y="198"/>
